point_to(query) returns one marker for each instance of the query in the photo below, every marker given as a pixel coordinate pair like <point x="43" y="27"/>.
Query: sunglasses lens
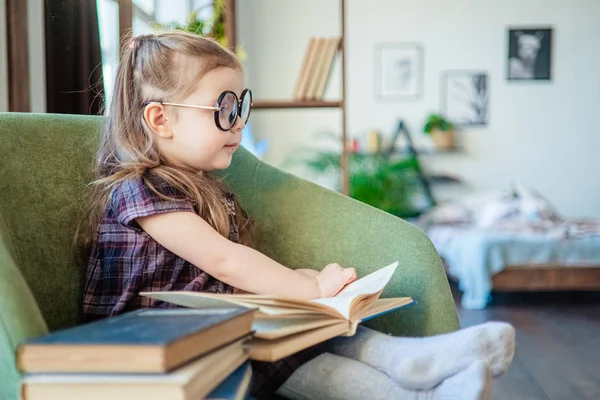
<point x="228" y="110"/>
<point x="246" y="105"/>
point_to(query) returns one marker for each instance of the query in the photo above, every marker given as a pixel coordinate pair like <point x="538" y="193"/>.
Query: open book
<point x="284" y="326"/>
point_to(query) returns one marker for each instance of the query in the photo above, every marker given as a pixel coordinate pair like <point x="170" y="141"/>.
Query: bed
<point x="513" y="241"/>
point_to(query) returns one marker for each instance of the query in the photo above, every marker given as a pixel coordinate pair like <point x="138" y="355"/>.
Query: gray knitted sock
<point x="422" y="363"/>
<point x="473" y="383"/>
<point x="331" y="377"/>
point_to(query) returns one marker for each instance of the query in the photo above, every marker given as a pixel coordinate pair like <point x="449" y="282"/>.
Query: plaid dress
<point x="124" y="261"/>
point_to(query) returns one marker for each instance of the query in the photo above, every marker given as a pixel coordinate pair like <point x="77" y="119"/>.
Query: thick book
<point x="192" y="381"/>
<point x="234" y="387"/>
<point x="310" y="76"/>
<point x="318" y="63"/>
<point x="147" y="340"/>
<point x="324" y="70"/>
<point x="284" y="326"/>
<point x="303" y="76"/>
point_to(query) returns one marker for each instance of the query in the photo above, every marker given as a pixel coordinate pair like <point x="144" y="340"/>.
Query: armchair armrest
<point x="303" y="225"/>
<point x="20" y="319"/>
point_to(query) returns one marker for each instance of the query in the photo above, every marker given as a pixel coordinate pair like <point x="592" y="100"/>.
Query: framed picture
<point x="529" y="53"/>
<point x="465" y="97"/>
<point x="399" y="71"/>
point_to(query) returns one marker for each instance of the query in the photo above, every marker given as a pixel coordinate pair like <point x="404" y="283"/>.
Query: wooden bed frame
<point x="546" y="278"/>
<point x="539" y="278"/>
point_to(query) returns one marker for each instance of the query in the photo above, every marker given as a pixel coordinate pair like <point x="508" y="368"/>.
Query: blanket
<point x="481" y="234"/>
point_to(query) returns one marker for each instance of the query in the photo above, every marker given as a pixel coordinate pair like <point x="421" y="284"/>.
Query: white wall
<point x="37" y="55"/>
<point x="542" y="133"/>
<point x="3" y="66"/>
<point x="275" y="35"/>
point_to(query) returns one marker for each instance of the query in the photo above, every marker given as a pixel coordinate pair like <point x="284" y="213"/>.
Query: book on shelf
<point x="194" y="380"/>
<point x="316" y="68"/>
<point x="324" y="68"/>
<point x="285" y="326"/>
<point x="142" y="341"/>
<point x="313" y="77"/>
<point x="307" y="61"/>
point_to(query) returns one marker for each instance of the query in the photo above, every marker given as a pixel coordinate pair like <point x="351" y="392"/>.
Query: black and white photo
<point x="465" y="97"/>
<point x="529" y="54"/>
<point x="399" y="69"/>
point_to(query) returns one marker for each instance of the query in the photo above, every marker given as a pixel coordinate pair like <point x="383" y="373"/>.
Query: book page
<point x="339" y="306"/>
<point x="276" y="349"/>
<point x="368" y="285"/>
<point x="211" y="300"/>
<point x="382" y="306"/>
<point x="281" y="327"/>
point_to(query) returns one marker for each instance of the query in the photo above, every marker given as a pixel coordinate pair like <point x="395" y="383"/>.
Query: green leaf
<point x="213" y="26"/>
<point x="379" y="180"/>
<point x="436" y="121"/>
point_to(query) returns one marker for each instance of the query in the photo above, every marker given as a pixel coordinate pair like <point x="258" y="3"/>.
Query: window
<point x="145" y="12"/>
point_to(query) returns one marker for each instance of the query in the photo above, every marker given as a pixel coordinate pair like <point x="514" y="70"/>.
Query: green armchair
<point x="45" y="163"/>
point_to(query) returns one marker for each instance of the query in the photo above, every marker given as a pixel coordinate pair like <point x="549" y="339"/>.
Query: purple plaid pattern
<point x="125" y="260"/>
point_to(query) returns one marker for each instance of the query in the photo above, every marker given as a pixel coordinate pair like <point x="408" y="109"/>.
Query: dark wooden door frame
<point x="125" y="19"/>
<point x="18" y="56"/>
<point x="231" y="25"/>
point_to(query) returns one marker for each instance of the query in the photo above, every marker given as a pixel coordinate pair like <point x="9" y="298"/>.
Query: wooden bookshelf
<point x="432" y="151"/>
<point x="273" y="104"/>
<point x="258" y="104"/>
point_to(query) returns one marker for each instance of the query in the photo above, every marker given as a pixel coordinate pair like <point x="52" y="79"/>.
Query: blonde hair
<point x="157" y="66"/>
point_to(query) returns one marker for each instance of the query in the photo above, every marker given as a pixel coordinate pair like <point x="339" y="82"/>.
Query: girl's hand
<point x="333" y="278"/>
<point x="308" y="272"/>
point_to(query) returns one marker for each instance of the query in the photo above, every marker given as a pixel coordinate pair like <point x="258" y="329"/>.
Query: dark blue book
<point x="236" y="386"/>
<point x="192" y="381"/>
<point x="142" y="341"/>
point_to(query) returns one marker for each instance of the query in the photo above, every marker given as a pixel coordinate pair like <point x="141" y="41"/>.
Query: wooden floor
<point x="557" y="344"/>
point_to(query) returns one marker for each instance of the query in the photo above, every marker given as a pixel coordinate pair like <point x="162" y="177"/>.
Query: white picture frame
<point x="399" y="71"/>
<point x="465" y="97"/>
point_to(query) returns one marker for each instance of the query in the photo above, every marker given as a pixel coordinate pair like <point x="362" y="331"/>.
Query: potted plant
<point x="441" y="131"/>
<point x="213" y="26"/>
<point x="376" y="179"/>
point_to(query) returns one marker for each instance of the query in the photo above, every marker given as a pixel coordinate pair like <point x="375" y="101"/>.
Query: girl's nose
<point x="238" y="126"/>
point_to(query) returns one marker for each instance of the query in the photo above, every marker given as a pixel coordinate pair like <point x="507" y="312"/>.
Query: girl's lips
<point x="231" y="146"/>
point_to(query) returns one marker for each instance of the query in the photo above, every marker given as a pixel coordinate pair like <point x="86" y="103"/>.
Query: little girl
<point x="160" y="221"/>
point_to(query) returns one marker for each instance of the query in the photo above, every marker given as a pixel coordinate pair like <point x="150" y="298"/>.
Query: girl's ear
<point x="156" y="119"/>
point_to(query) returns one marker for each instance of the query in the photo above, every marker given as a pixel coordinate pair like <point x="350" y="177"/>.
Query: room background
<point x="542" y="133"/>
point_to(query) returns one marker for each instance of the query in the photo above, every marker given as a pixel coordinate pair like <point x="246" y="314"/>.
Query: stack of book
<point x="146" y="354"/>
<point x="316" y="68"/>
<point x="199" y="351"/>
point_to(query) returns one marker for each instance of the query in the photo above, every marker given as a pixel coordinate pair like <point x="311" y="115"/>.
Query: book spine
<point x="304" y="70"/>
<point x="333" y="44"/>
<point x="315" y="70"/>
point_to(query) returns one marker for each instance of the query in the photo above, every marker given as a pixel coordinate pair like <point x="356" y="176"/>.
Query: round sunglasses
<point x="227" y="109"/>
